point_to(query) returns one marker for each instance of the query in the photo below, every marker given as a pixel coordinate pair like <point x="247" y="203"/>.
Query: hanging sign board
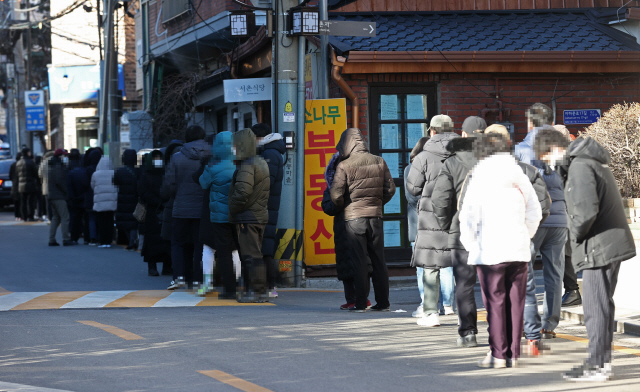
<point x="587" y="116"/>
<point x="34" y="108"/>
<point x="247" y="90"/>
<point x="325" y="120"/>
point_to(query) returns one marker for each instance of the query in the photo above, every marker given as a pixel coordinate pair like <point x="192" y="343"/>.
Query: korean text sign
<point x="325" y="120"/>
<point x="34" y="110"/>
<point x="247" y="90"/>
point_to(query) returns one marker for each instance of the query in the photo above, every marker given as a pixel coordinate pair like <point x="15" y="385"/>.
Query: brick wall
<point x="460" y="98"/>
<point x="471" y="5"/>
<point x="130" y="55"/>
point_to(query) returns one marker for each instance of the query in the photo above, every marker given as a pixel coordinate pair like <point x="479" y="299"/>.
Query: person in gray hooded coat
<point x="105" y="200"/>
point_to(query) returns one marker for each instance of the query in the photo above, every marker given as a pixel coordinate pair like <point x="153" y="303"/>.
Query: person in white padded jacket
<point x="105" y="200"/>
<point x="499" y="215"/>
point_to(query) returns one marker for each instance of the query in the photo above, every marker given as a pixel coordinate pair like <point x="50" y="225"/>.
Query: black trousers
<point x="104" y="222"/>
<point x="366" y="240"/>
<point x="76" y="225"/>
<point x="465" y="276"/>
<point x="349" y="291"/>
<point x="272" y="270"/>
<point x="17" y="209"/>
<point x="186" y="256"/>
<point x="226" y="241"/>
<point x="28" y="202"/>
<point x="250" y="246"/>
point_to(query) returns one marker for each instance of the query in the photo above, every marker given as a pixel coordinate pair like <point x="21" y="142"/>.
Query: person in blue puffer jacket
<point x="216" y="177"/>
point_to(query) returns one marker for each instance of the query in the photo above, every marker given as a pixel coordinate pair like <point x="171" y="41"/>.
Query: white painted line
<point x="177" y="299"/>
<point x="10" y="301"/>
<point x="10" y="387"/>
<point x="97" y="299"/>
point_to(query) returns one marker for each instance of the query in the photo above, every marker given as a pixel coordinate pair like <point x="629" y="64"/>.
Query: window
<point x="172" y="9"/>
<point x="399" y="117"/>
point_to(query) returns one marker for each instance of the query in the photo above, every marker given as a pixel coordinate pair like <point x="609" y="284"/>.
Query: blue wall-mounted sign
<point x="34" y="110"/>
<point x="78" y="83"/>
<point x="587" y="116"/>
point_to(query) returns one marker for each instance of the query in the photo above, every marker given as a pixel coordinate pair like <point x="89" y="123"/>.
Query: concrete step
<point x="627" y="321"/>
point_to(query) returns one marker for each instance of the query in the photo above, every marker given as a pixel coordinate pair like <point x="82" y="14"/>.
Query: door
<point x="399" y="117"/>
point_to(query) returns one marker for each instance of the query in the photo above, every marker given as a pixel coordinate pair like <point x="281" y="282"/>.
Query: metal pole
<point x="299" y="163"/>
<point x="105" y="77"/>
<point x="48" y="124"/>
<point x="324" y="54"/>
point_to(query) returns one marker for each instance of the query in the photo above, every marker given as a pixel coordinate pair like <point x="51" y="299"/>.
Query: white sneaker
<point x="448" y="310"/>
<point x="432" y="320"/>
<point x="419" y="312"/>
<point x="490" y="362"/>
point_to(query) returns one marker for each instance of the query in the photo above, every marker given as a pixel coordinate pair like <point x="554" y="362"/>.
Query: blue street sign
<point x="36" y="118"/>
<point x="587" y="116"/>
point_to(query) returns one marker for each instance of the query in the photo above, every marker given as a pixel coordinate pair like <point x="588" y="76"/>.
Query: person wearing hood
<point x="92" y="158"/>
<point x="248" y="201"/>
<point x="42" y="174"/>
<point x="187" y="207"/>
<point x="15" y="195"/>
<point x="27" y="184"/>
<point x="58" y="196"/>
<point x="166" y="222"/>
<point x="431" y="251"/>
<point x="216" y="178"/>
<point x="362" y="185"/>
<point x="155" y="249"/>
<point x="105" y="200"/>
<point x="600" y="241"/>
<point x="126" y="181"/>
<point x="271" y="147"/>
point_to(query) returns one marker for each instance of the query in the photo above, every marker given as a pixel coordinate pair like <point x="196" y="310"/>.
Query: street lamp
<point x="243" y="23"/>
<point x="304" y="21"/>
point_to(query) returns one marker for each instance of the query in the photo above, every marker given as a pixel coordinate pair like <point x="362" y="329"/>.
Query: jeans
<point x="59" y="217"/>
<point x="93" y="226"/>
<point x="447" y="286"/>
<point x="431" y="282"/>
<point x="550" y="241"/>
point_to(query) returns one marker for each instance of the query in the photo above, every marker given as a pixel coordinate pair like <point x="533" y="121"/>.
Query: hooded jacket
<point x="56" y="174"/>
<point x="171" y="149"/>
<point x="362" y="183"/>
<point x="186" y="193"/>
<point x="412" y="207"/>
<point x="92" y="159"/>
<point x="501" y="213"/>
<point x="105" y="194"/>
<point x="27" y="175"/>
<point x="217" y="177"/>
<point x="431" y="248"/>
<point x="600" y="234"/>
<point x="126" y="180"/>
<point x="249" y="190"/>
<point x="149" y="185"/>
<point x="271" y="148"/>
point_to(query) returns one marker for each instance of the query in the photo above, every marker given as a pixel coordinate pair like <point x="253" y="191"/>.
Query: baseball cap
<point x="441" y="121"/>
<point x="473" y="124"/>
<point x="59" y="152"/>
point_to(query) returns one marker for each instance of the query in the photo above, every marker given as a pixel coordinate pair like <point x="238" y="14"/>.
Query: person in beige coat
<point x="105" y="200"/>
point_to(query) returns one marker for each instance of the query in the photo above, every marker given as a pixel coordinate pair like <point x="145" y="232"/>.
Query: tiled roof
<point x="485" y="31"/>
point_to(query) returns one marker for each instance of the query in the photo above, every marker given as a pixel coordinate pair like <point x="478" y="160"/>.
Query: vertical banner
<point x="34" y="110"/>
<point x="325" y="120"/>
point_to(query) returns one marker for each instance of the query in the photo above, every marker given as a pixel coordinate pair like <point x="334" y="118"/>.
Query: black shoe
<point x="153" y="272"/>
<point x="357" y="310"/>
<point x="586" y="372"/>
<point x="54" y="244"/>
<point x="379" y="308"/>
<point x="69" y="243"/>
<point x="571" y="298"/>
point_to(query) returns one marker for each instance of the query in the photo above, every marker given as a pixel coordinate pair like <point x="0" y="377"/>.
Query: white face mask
<point x="157" y="162"/>
<point x="554" y="157"/>
<point x="65" y="160"/>
<point x="233" y="150"/>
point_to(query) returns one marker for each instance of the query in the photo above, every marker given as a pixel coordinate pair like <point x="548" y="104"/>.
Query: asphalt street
<point x="303" y="343"/>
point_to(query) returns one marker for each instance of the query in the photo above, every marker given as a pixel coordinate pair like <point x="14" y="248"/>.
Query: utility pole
<point x="323" y="75"/>
<point x="106" y="73"/>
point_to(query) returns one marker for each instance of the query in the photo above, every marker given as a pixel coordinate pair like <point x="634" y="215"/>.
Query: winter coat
<point x="217" y="177"/>
<point x="431" y="248"/>
<point x="149" y="186"/>
<point x="249" y="190"/>
<point x="187" y="194"/>
<point x="92" y="159"/>
<point x="126" y="181"/>
<point x="412" y="207"/>
<point x="27" y="175"/>
<point x="362" y="184"/>
<point x="56" y="179"/>
<point x="105" y="194"/>
<point x="600" y="234"/>
<point x="555" y="187"/>
<point x="13" y="176"/>
<point x="501" y="213"/>
<point x="271" y="149"/>
<point x="77" y="185"/>
<point x="42" y="172"/>
<point x="171" y="149"/>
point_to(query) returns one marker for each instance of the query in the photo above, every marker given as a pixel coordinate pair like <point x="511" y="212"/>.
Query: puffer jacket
<point x="362" y="184"/>
<point x="271" y="149"/>
<point x="412" y="207"/>
<point x="92" y="158"/>
<point x="77" y="185"/>
<point x="186" y="193"/>
<point x="555" y="187"/>
<point x="501" y="213"/>
<point x="249" y="190"/>
<point x="600" y="234"/>
<point x="217" y="177"/>
<point x="105" y="194"/>
<point x="126" y="181"/>
<point x="27" y="175"/>
<point x="431" y="249"/>
<point x="56" y="174"/>
<point x="42" y="172"/>
<point x="167" y="211"/>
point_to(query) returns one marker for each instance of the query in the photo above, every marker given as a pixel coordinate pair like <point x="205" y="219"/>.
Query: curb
<point x="624" y="325"/>
<point x="335" y="284"/>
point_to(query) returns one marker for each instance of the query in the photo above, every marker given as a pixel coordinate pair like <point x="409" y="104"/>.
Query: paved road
<point x="303" y="343"/>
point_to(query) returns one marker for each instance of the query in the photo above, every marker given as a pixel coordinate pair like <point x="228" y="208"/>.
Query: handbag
<point x="140" y="213"/>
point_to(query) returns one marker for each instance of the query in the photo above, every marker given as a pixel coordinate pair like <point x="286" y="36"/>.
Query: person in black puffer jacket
<point x="344" y="266"/>
<point x="91" y="159"/>
<point x="77" y="186"/>
<point x="126" y="180"/>
<point x="271" y="147"/>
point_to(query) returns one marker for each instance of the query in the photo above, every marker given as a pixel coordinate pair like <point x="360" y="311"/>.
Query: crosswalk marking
<point x="139" y="299"/>
<point x="11" y="387"/>
<point x="178" y="298"/>
<point x="51" y="300"/>
<point x="97" y="299"/>
<point x="10" y="301"/>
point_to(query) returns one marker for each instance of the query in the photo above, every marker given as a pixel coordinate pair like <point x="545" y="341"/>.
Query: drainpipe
<point x="299" y="153"/>
<point x="355" y="102"/>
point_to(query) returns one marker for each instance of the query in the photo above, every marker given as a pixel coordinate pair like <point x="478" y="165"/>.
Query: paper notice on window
<point x="389" y="136"/>
<point x="391" y="231"/>
<point x="414" y="133"/>
<point x="393" y="162"/>
<point x="416" y="107"/>
<point x="394" y="206"/>
<point x="388" y="107"/>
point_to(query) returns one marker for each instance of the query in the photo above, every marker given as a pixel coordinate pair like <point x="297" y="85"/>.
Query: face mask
<point x="233" y="150"/>
<point x="157" y="162"/>
<point x="65" y="160"/>
<point x="554" y="157"/>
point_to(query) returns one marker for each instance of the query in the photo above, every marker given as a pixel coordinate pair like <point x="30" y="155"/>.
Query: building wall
<point x="471" y="5"/>
<point x="462" y="97"/>
<point x="69" y="127"/>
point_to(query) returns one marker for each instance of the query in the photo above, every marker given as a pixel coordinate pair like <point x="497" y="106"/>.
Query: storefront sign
<point x="588" y="116"/>
<point x="78" y="83"/>
<point x="247" y="90"/>
<point x="34" y="108"/>
<point x="325" y="120"/>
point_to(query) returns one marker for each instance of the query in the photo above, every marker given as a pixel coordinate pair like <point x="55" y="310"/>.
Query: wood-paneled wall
<point x="473" y="5"/>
